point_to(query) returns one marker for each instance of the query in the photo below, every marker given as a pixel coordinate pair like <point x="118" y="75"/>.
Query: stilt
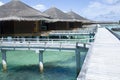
<point x="78" y="61"/>
<point x="41" y="61"/>
<point x="4" y="63"/>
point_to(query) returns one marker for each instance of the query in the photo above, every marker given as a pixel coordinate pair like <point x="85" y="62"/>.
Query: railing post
<point x="41" y="61"/>
<point x="90" y="37"/>
<point x="4" y="62"/>
<point x="60" y="46"/>
<point x="1" y="39"/>
<point x="59" y="36"/>
<point x="84" y="45"/>
<point x="24" y="40"/>
<point x="45" y="45"/>
<point x="37" y="39"/>
<point x="78" y="59"/>
<point x="52" y="41"/>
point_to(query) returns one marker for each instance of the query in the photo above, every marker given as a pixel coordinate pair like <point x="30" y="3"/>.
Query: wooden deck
<point x="103" y="58"/>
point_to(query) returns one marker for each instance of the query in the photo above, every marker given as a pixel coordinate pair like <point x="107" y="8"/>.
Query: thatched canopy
<point x="57" y="14"/>
<point x="77" y="17"/>
<point x="17" y="10"/>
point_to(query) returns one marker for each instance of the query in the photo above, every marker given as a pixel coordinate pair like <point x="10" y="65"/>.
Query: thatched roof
<point x="17" y="10"/>
<point x="57" y="14"/>
<point x="77" y="17"/>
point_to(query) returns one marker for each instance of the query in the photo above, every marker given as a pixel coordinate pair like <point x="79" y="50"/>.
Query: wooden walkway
<point x="103" y="58"/>
<point x="39" y="46"/>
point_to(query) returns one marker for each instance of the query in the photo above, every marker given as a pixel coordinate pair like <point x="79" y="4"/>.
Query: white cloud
<point x="99" y="10"/>
<point x="1" y="3"/>
<point x="111" y="1"/>
<point x="40" y="7"/>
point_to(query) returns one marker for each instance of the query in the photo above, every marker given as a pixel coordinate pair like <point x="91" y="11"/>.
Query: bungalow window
<point x="43" y="26"/>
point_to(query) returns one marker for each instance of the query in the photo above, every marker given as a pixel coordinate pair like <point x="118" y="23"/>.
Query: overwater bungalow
<point x="19" y="19"/>
<point x="60" y="19"/>
<point x="77" y="19"/>
<point x="64" y="21"/>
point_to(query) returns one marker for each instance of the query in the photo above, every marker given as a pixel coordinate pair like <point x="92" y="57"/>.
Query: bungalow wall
<point x="11" y="28"/>
<point x="78" y="24"/>
<point x="73" y="25"/>
<point x="34" y="28"/>
<point x="63" y="25"/>
<point x="6" y="27"/>
<point x="26" y="27"/>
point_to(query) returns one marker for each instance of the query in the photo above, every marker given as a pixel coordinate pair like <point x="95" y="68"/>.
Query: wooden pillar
<point x="4" y="63"/>
<point x="36" y="26"/>
<point x="41" y="61"/>
<point x="78" y="59"/>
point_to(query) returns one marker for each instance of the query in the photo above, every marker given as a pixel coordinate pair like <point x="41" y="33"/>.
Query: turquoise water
<point x="113" y="26"/>
<point x="23" y="65"/>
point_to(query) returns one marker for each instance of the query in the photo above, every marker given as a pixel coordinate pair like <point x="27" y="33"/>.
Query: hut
<point x="78" y="20"/>
<point x="19" y="19"/>
<point x="63" y="21"/>
<point x="60" y="19"/>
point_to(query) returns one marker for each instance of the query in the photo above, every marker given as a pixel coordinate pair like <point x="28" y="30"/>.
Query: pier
<point x="103" y="58"/>
<point x="41" y="45"/>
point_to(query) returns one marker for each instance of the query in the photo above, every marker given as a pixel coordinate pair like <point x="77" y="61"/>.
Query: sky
<point x="98" y="10"/>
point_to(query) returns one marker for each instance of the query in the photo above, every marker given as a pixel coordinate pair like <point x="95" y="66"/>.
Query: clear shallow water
<point x="113" y="26"/>
<point x="23" y="65"/>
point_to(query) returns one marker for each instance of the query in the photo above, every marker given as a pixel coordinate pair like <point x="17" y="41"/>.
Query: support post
<point x="78" y="59"/>
<point x="4" y="63"/>
<point x="41" y="61"/>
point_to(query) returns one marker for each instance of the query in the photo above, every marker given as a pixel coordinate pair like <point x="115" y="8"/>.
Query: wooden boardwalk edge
<point x="107" y="47"/>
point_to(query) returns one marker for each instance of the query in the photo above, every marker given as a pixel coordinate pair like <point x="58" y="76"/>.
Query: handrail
<point x="86" y="30"/>
<point x="42" y="45"/>
<point x="43" y="40"/>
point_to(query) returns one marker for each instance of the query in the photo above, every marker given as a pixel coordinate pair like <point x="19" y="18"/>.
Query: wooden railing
<point x="77" y="31"/>
<point x="38" y="40"/>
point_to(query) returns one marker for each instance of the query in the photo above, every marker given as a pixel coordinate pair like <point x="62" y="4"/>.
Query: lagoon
<point x="23" y="65"/>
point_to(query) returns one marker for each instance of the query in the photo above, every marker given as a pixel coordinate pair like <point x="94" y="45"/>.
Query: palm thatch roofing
<point x="17" y="10"/>
<point x="77" y="17"/>
<point x="57" y="15"/>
